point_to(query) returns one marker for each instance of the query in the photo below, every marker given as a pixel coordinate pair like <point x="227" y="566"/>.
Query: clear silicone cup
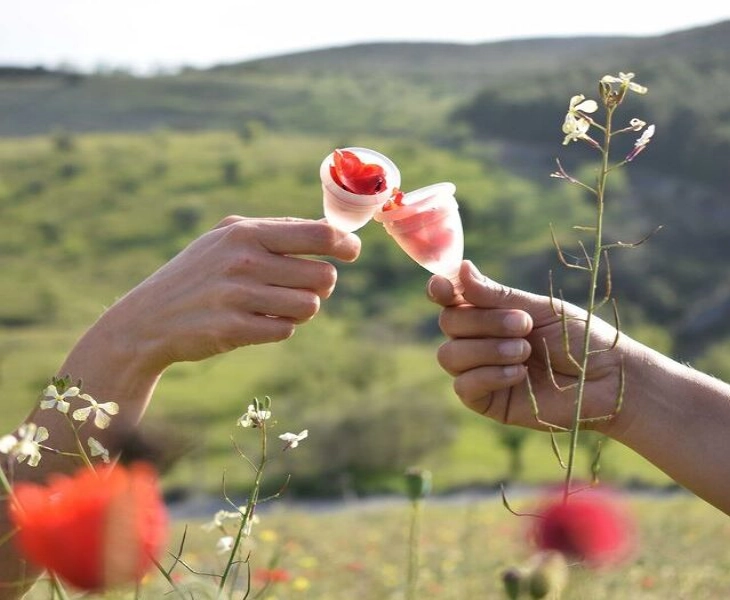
<point x="349" y="211"/>
<point x="427" y="226"/>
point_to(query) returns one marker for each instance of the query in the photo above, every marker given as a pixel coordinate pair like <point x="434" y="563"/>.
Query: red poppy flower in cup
<point x="96" y="529"/>
<point x="591" y="527"/>
<point x="356" y="176"/>
<point x="355" y="183"/>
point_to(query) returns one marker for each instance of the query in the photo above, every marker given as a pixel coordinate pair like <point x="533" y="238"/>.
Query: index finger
<point x="302" y="236"/>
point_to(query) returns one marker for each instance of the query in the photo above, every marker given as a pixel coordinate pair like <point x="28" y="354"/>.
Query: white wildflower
<point x="54" y="399"/>
<point x="254" y="417"/>
<point x="624" y="79"/>
<point x="96" y="449"/>
<point x="641" y="143"/>
<point x="575" y="128"/>
<point x="579" y="103"/>
<point x="224" y="544"/>
<point x="220" y="518"/>
<point x="576" y="124"/>
<point x="637" y="124"/>
<point x="292" y="439"/>
<point x="26" y="445"/>
<point x="102" y="411"/>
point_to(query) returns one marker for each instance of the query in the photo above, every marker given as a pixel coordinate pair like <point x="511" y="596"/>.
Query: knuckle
<point x="227" y="221"/>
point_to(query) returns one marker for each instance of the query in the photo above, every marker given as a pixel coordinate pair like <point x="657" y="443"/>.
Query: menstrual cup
<point x="352" y="193"/>
<point x="426" y="224"/>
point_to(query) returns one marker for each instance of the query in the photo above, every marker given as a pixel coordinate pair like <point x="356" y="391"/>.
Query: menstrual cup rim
<point x="410" y="208"/>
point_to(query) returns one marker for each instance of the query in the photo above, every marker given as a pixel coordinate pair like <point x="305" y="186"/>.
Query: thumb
<point x="483" y="292"/>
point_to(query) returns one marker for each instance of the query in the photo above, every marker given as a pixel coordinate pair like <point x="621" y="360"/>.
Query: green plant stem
<point x="79" y="444"/>
<point x="5" y="482"/>
<point x="167" y="577"/>
<point x="590" y="308"/>
<point x="58" y="589"/>
<point x="248" y="514"/>
<point x="414" y="550"/>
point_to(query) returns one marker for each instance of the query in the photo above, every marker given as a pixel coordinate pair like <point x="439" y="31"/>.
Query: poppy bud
<point x="418" y="483"/>
<point x="513" y="580"/>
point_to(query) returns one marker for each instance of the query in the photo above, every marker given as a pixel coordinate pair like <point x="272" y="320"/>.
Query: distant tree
<point x="231" y="170"/>
<point x="185" y="219"/>
<point x="63" y="141"/>
<point x="250" y="130"/>
<point x="68" y="170"/>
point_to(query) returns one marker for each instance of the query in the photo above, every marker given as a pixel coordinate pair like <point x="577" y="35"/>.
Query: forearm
<point x="678" y="419"/>
<point x="110" y="369"/>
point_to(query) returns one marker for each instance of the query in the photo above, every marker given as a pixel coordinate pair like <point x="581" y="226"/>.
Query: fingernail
<point x="510" y="371"/>
<point x="516" y="322"/>
<point x="511" y="348"/>
<point x="429" y="289"/>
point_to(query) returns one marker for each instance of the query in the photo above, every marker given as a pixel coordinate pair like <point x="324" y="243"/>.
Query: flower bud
<point x="513" y="580"/>
<point x="549" y="576"/>
<point x="418" y="483"/>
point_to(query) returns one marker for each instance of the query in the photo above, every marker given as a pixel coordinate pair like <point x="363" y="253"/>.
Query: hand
<point x="499" y="335"/>
<point x="247" y="281"/>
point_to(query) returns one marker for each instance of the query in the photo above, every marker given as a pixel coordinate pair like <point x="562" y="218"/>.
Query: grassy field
<point x="357" y="550"/>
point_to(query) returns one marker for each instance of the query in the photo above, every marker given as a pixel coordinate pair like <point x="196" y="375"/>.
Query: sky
<point x="147" y="36"/>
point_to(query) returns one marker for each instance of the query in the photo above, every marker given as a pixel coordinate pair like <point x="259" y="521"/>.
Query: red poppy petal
<point x="355" y="176"/>
<point x="95" y="529"/>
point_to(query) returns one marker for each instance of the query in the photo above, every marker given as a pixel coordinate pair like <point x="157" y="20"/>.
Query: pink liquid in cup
<point x="426" y="224"/>
<point x="349" y="211"/>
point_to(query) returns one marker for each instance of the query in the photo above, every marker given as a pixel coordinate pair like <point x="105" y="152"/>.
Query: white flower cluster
<point x="26" y="444"/>
<point x="577" y="121"/>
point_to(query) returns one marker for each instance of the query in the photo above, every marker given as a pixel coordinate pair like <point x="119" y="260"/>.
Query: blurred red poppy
<point x="590" y="527"/>
<point x="94" y="530"/>
<point x="277" y="575"/>
<point x="355" y="176"/>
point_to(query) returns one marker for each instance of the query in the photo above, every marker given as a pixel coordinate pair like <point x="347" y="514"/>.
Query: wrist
<point x="113" y="365"/>
<point x="643" y="379"/>
<point x="657" y="394"/>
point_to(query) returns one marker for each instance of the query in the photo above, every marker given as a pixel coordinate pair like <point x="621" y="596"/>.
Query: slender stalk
<point x="591" y="306"/>
<point x="248" y="513"/>
<point x="167" y="577"/>
<point x="414" y="549"/>
<point x="58" y="589"/>
<point x="5" y="482"/>
<point x="79" y="445"/>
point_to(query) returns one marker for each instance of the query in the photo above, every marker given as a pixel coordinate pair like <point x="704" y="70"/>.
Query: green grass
<point x="360" y="551"/>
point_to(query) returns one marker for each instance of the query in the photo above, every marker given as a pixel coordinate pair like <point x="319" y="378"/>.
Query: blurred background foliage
<point x="104" y="177"/>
